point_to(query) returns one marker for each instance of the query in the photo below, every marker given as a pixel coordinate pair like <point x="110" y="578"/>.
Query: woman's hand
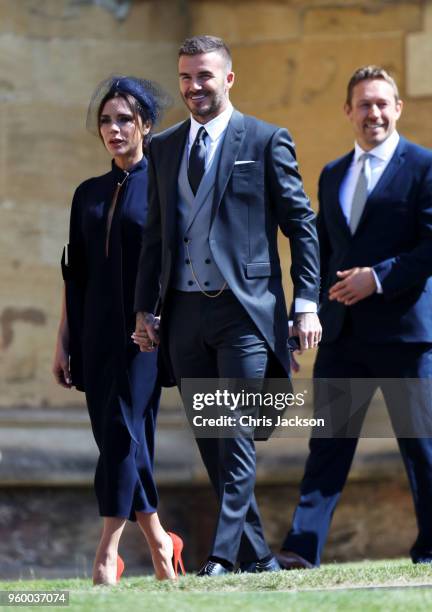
<point x="60" y="367"/>
<point x="146" y="333"/>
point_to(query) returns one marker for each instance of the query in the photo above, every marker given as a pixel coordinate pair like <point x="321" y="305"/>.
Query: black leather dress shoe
<point x="212" y="568"/>
<point x="257" y="567"/>
<point x="422" y="559"/>
<point x="290" y="560"/>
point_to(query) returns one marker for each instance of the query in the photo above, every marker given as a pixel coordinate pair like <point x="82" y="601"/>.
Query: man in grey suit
<point x="220" y="185"/>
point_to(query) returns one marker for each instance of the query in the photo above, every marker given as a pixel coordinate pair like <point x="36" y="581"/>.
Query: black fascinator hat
<point x="151" y="99"/>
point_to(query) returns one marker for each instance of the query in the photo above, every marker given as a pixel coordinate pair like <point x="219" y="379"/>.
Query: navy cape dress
<point x="120" y="382"/>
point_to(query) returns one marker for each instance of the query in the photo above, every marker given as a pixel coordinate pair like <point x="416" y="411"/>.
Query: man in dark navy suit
<point x="220" y="186"/>
<point x="375" y="231"/>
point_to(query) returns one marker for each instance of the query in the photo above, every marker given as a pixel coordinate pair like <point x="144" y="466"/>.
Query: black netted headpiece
<point x="150" y="96"/>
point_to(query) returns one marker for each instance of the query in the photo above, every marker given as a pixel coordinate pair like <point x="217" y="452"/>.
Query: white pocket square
<point x="238" y="163"/>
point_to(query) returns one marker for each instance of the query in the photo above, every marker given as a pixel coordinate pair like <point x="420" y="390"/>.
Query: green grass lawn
<point x="369" y="585"/>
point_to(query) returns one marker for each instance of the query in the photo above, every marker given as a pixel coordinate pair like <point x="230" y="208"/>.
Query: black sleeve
<point x="295" y="216"/>
<point x="74" y="274"/>
<point x="149" y="265"/>
<point x="324" y="242"/>
<point x="73" y="257"/>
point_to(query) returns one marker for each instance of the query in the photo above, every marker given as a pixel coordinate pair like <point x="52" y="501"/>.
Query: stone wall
<point x="292" y="60"/>
<point x="52" y="55"/>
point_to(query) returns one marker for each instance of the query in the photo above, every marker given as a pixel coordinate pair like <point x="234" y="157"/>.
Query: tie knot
<point x="364" y="157"/>
<point x="201" y="136"/>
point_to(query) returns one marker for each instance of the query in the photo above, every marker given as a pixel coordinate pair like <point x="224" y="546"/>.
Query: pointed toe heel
<point x="120" y="567"/>
<point x="177" y="553"/>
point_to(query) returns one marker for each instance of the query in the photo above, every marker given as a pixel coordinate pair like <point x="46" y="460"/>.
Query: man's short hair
<point x="366" y="73"/>
<point x="206" y="44"/>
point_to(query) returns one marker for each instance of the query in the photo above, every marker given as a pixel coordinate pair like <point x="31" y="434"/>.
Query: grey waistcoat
<point x="193" y="224"/>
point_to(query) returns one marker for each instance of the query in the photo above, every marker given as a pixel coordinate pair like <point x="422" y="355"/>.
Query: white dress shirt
<point x="379" y="158"/>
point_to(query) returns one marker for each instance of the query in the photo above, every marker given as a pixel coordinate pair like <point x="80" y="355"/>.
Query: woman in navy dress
<point x="95" y="352"/>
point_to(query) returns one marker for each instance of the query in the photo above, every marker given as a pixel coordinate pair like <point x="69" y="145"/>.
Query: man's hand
<point x="355" y="285"/>
<point x="295" y="365"/>
<point x="146" y="333"/>
<point x="308" y="328"/>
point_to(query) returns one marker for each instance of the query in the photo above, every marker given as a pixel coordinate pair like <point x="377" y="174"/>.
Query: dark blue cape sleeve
<point x="74" y="275"/>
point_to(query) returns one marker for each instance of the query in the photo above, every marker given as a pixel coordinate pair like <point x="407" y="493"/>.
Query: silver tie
<point x="360" y="194"/>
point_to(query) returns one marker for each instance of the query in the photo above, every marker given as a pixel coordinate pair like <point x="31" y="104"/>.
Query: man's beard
<point x="215" y="102"/>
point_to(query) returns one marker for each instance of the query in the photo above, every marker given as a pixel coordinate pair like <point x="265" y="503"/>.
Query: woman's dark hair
<point x="137" y="110"/>
<point x="146" y="99"/>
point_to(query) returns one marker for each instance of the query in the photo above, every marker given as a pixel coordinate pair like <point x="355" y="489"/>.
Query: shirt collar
<point x="215" y="127"/>
<point x="383" y="151"/>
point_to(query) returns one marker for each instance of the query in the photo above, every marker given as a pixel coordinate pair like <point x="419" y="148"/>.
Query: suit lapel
<point x="230" y="148"/>
<point x="170" y="172"/>
<point x="339" y="172"/>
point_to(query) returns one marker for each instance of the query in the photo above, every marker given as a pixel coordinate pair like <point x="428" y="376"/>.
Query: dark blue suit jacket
<point x="394" y="236"/>
<point x="251" y="201"/>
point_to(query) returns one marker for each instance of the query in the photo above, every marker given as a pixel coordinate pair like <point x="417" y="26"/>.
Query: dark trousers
<point x="215" y="338"/>
<point x="330" y="459"/>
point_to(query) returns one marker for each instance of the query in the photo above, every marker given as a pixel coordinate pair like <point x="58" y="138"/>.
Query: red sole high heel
<point x="177" y="560"/>
<point x="120" y="567"/>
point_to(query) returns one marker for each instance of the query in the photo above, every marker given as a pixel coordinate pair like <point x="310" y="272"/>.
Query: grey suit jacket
<point x="250" y="202"/>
